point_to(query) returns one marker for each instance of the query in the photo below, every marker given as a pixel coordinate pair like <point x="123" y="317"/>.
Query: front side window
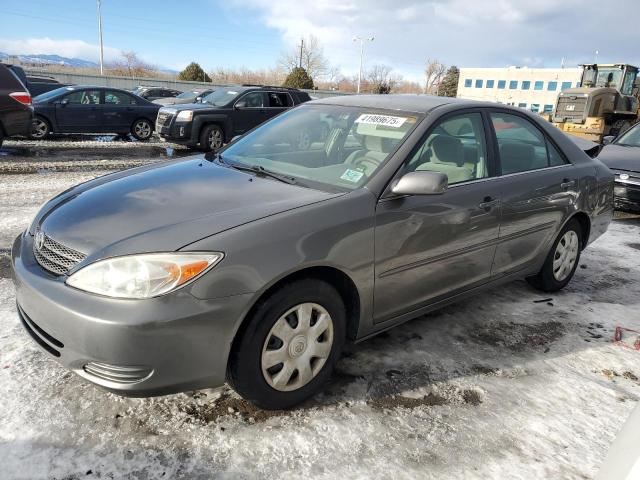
<point x="552" y="86"/>
<point x="502" y="84"/>
<point x="467" y="82"/>
<point x="513" y="84"/>
<point x="627" y="84"/>
<point x="84" y="97"/>
<point x="455" y="147"/>
<point x="489" y="83"/>
<point x="521" y="146"/>
<point x="526" y="84"/>
<point x="253" y="100"/>
<point x="538" y="85"/>
<point x="343" y="147"/>
<point x="118" y="98"/>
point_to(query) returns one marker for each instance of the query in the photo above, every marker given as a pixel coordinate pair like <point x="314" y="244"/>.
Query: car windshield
<point x="187" y="95"/>
<point x="221" y="97"/>
<point x="324" y="145"/>
<point x="631" y="137"/>
<point x="43" y="97"/>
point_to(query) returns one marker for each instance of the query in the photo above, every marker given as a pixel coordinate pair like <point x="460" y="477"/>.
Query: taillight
<point x="22" y="97"/>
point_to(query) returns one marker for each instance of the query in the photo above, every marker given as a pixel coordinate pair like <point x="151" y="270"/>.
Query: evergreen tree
<point x="194" y="73"/>
<point x="298" y="78"/>
<point x="449" y="85"/>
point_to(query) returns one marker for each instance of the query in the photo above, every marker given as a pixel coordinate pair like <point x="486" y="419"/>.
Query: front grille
<point x="55" y="257"/>
<point x="42" y="338"/>
<point x="117" y="373"/>
<point x="570" y="109"/>
<point x="164" y="119"/>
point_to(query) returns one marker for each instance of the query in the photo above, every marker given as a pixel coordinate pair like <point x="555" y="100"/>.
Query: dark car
<point x="190" y="96"/>
<point x="225" y="113"/>
<point x="254" y="265"/>
<point x="16" y="112"/>
<point x="156" y="93"/>
<point x="622" y="155"/>
<point x="36" y="84"/>
<point x="84" y="109"/>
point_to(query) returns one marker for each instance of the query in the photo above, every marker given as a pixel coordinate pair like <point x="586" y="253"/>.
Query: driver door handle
<point x="489" y="202"/>
<point x="567" y="184"/>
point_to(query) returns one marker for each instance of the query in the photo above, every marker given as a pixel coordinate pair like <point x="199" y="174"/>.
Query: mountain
<point x="50" y="60"/>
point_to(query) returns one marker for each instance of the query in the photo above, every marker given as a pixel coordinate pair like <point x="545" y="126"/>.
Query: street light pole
<point x="100" y="34"/>
<point x="361" y="40"/>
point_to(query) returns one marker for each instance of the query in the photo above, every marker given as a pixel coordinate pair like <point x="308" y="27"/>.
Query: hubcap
<point x="39" y="128"/>
<point x="565" y="256"/>
<point x="297" y="347"/>
<point x="215" y="139"/>
<point x="142" y="129"/>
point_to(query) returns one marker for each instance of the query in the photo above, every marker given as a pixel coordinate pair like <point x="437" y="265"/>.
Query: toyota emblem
<point x="39" y="239"/>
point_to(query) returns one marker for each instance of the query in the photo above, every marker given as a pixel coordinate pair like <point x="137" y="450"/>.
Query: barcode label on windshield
<point x="384" y="120"/>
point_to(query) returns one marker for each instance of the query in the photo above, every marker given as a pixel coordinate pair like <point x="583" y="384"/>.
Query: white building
<point x="532" y="88"/>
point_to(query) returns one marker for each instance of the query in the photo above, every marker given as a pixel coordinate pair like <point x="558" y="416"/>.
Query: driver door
<point x="249" y="111"/>
<point x="429" y="247"/>
<point x="80" y="112"/>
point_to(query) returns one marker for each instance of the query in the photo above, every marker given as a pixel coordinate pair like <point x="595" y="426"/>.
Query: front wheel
<point x="142" y="129"/>
<point x="211" y="138"/>
<point x="562" y="260"/>
<point x="290" y="345"/>
<point x="40" y="128"/>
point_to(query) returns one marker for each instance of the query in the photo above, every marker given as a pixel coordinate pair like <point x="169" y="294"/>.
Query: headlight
<point x="185" y="115"/>
<point x="143" y="276"/>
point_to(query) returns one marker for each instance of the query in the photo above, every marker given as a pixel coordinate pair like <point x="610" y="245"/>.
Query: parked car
<point x="155" y="93"/>
<point x="622" y="155"/>
<point x="190" y="96"/>
<point x="36" y="84"/>
<point x="85" y="109"/>
<point x="224" y="114"/>
<point x="257" y="263"/>
<point x="16" y="112"/>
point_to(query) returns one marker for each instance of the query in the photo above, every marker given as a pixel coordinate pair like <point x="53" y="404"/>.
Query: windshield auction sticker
<point x="352" y="176"/>
<point x="383" y="120"/>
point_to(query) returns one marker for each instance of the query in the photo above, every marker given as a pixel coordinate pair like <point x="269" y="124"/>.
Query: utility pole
<point x="361" y="40"/>
<point x="100" y="34"/>
<point x="301" y="49"/>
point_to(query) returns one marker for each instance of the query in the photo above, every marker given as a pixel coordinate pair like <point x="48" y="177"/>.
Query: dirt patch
<point x="228" y="404"/>
<point x="399" y="401"/>
<point x="518" y="336"/>
<point x="472" y="397"/>
<point x="630" y="376"/>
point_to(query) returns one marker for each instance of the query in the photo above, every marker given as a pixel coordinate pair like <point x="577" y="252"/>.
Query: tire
<point x="41" y="128"/>
<point x="266" y="386"/>
<point x="552" y="278"/>
<point x="1" y="137"/>
<point x="211" y="138"/>
<point x="142" y="129"/>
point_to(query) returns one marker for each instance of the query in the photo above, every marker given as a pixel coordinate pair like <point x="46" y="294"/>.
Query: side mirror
<point x="237" y="137"/>
<point x="198" y="99"/>
<point x="63" y="102"/>
<point x="420" y="183"/>
<point x="241" y="104"/>
<point x="608" y="139"/>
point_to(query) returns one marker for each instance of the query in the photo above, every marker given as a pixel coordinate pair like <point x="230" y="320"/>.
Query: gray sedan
<point x="255" y="265"/>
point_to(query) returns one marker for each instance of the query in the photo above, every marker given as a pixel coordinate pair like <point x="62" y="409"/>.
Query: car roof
<point x="405" y="102"/>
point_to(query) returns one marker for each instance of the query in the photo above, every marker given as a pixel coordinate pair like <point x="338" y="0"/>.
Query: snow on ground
<point x="511" y="383"/>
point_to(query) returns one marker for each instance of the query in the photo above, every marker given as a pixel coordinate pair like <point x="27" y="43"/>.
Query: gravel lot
<point x="509" y="384"/>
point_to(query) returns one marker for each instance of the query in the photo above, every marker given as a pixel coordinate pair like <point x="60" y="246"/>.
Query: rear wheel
<point x="142" y="129"/>
<point x="290" y="345"/>
<point x="211" y="138"/>
<point x="40" y="128"/>
<point x="562" y="261"/>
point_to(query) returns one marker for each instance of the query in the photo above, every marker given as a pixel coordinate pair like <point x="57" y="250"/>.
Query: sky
<point x="255" y="33"/>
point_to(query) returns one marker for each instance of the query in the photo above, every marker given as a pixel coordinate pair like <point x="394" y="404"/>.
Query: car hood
<point x="166" y="101"/>
<point x="165" y="207"/>
<point x="619" y="157"/>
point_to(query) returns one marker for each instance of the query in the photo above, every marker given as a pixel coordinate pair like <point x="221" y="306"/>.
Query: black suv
<point x="225" y="113"/>
<point x="16" y="112"/>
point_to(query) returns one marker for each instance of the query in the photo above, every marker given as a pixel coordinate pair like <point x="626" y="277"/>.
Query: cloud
<point x="64" y="48"/>
<point x="469" y="33"/>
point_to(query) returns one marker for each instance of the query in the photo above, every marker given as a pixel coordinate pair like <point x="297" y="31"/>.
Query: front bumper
<point x="147" y="347"/>
<point x="176" y="132"/>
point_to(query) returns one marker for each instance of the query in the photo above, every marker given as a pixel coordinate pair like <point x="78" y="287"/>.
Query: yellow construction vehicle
<point x="606" y="103"/>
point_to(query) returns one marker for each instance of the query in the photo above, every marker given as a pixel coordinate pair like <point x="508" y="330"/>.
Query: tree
<point x="433" y="72"/>
<point x="312" y="55"/>
<point x="194" y="73"/>
<point x="130" y="65"/>
<point x="449" y="85"/>
<point x="381" y="79"/>
<point x="298" y="78"/>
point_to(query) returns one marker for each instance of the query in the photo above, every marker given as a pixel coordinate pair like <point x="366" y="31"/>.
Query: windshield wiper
<point x="257" y="169"/>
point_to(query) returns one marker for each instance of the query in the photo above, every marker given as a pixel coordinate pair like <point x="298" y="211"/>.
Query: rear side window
<point x="112" y="97"/>
<point x="279" y="100"/>
<point x="521" y="146"/>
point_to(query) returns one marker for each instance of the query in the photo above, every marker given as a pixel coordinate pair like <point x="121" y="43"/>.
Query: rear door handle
<point x="567" y="184"/>
<point x="488" y="203"/>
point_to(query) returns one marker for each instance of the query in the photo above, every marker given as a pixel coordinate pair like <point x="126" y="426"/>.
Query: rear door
<point x="80" y="112"/>
<point x="538" y="187"/>
<point x="119" y="111"/>
<point x="278" y="102"/>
